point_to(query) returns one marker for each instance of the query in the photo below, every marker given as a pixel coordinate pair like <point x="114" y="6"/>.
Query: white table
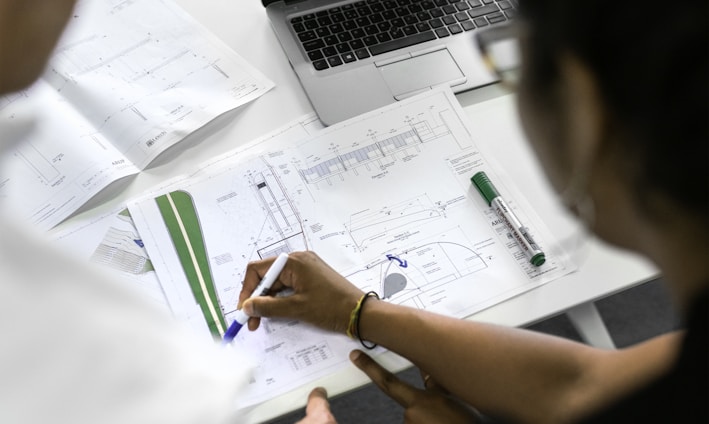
<point x="243" y="25"/>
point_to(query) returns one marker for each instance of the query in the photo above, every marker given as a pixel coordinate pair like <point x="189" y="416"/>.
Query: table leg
<point x="588" y="322"/>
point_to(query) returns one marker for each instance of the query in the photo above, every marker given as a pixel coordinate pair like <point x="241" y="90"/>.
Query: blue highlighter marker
<point x="261" y="290"/>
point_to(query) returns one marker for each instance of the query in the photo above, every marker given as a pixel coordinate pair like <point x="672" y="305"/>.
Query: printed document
<point x="385" y="198"/>
<point x="127" y="80"/>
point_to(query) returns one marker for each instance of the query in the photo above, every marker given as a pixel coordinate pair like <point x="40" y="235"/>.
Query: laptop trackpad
<point x="410" y="76"/>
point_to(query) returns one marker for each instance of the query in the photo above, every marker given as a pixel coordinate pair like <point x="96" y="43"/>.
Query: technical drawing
<point x="368" y="156"/>
<point x="369" y="225"/>
<point x="123" y="250"/>
<point x="415" y="275"/>
<point x="182" y="221"/>
<point x="372" y="153"/>
<point x="11" y="98"/>
<point x="277" y="230"/>
<point x="305" y="358"/>
<point x="37" y="162"/>
<point x="281" y="213"/>
<point x="415" y="239"/>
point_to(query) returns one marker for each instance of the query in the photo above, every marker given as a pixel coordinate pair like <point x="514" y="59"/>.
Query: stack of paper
<point x="127" y="80"/>
<point x="355" y="194"/>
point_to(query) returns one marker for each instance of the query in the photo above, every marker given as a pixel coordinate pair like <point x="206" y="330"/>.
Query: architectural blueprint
<point x="127" y="80"/>
<point x="385" y="198"/>
<point x="112" y="241"/>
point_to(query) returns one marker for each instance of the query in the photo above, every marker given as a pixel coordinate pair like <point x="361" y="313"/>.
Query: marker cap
<point x="485" y="187"/>
<point x="232" y="331"/>
<point x="538" y="259"/>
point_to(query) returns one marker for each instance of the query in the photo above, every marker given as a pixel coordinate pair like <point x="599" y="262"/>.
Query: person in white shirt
<point x="77" y="345"/>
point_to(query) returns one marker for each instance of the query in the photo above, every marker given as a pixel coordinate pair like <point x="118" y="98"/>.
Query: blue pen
<point x="261" y="290"/>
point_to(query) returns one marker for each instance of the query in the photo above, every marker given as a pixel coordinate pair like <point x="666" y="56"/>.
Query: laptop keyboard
<point x="369" y="28"/>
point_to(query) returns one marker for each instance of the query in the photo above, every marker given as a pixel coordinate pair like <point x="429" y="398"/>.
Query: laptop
<point x="354" y="56"/>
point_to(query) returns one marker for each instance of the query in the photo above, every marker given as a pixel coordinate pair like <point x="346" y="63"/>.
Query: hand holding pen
<point x="262" y="289"/>
<point x="321" y="296"/>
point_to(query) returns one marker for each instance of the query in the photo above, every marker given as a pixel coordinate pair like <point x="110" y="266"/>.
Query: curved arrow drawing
<point x="402" y="264"/>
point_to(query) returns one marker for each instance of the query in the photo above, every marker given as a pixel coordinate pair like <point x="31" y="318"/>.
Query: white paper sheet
<point x="385" y="198"/>
<point x="112" y="241"/>
<point x="127" y="80"/>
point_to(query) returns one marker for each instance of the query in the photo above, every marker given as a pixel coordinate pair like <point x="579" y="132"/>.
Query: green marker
<point x="519" y="231"/>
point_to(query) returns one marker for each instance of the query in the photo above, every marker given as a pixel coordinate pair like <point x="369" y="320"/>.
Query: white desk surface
<point x="242" y="24"/>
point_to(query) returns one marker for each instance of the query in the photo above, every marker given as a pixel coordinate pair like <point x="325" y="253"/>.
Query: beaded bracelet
<point x="353" y="326"/>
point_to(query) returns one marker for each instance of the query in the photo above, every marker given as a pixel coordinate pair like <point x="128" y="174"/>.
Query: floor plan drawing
<point x="126" y="81"/>
<point x="417" y="275"/>
<point x="369" y="225"/>
<point x="376" y="197"/>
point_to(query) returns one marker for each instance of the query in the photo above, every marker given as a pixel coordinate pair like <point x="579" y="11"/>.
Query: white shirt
<point x="78" y="346"/>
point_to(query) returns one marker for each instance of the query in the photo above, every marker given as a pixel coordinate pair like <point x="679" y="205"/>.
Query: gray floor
<point x="631" y="316"/>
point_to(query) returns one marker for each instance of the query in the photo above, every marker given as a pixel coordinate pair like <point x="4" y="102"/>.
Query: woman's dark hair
<point x="650" y="61"/>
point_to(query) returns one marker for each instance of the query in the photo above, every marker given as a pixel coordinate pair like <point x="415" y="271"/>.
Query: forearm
<point x="520" y="374"/>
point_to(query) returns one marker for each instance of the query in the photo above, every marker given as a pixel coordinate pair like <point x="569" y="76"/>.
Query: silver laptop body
<point x="343" y="79"/>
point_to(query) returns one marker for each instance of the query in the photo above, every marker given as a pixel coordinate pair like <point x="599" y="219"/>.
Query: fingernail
<point x="248" y="308"/>
<point x="354" y="355"/>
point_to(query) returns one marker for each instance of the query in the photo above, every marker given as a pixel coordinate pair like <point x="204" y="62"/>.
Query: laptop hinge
<point x="267" y="2"/>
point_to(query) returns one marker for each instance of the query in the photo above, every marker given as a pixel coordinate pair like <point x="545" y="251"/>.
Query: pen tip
<point x="232" y="331"/>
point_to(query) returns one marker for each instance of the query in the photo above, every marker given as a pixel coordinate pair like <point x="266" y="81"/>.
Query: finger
<point x="253" y="323"/>
<point x="276" y="307"/>
<point x="317" y="402"/>
<point x="426" y="378"/>
<point x="254" y="273"/>
<point x="318" y="409"/>
<point x="390" y="384"/>
<point x="430" y="383"/>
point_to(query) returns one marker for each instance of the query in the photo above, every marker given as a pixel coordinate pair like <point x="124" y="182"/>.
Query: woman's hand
<point x="318" y="409"/>
<point x="321" y="296"/>
<point x="429" y="406"/>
